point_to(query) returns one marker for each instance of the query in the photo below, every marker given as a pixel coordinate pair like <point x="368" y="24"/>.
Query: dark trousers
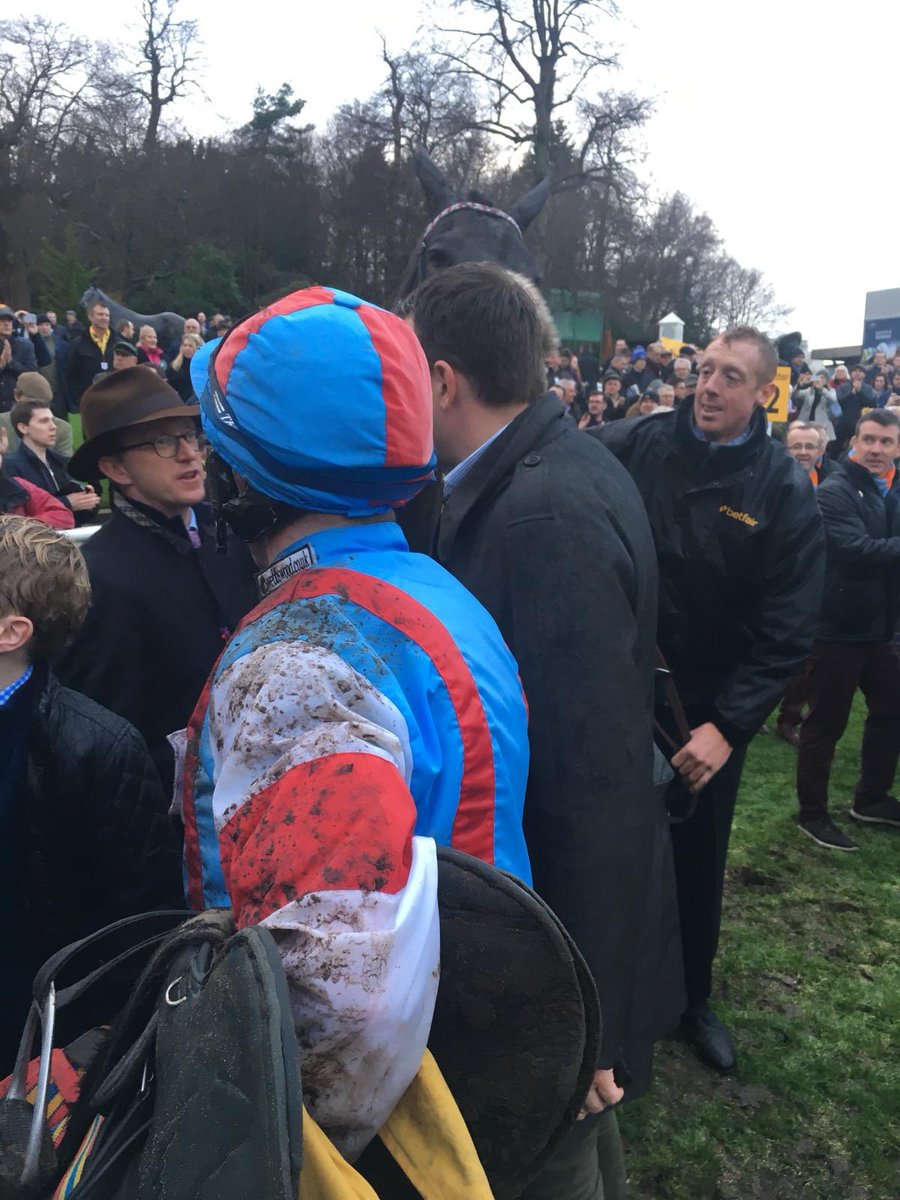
<point x="794" y="700"/>
<point x="587" y="1165"/>
<point x="700" y="848"/>
<point x="834" y="671"/>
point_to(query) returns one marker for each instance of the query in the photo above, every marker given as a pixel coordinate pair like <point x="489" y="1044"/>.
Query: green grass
<point x="77" y="439"/>
<point x="808" y="980"/>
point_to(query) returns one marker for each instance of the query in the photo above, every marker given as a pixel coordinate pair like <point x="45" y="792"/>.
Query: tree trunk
<point x="151" y="137"/>
<point x="543" y="120"/>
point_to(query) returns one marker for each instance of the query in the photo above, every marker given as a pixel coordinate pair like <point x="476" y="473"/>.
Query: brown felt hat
<point x="119" y="400"/>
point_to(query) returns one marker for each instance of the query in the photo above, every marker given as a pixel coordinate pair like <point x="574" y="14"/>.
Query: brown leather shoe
<point x="789" y="734"/>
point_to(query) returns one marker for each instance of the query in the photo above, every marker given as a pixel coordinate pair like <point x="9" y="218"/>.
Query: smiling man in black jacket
<point x="164" y="602"/>
<point x="548" y="531"/>
<point x="738" y="540"/>
<point x="860" y="607"/>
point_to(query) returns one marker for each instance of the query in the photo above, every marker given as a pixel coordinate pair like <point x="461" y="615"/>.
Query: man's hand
<point x="856" y="385"/>
<point x="704" y="755"/>
<point x="583" y="421"/>
<point x="603" y="1094"/>
<point x="4" y="443"/>
<point x="5" y="353"/>
<point x="83" y="501"/>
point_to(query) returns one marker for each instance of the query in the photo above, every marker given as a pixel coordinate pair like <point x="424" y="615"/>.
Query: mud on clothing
<point x="366" y="709"/>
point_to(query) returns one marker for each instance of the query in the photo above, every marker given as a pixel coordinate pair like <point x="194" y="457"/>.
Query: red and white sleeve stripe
<point x="315" y="822"/>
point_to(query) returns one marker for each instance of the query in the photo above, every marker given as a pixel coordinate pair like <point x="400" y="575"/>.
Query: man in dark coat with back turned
<point x="549" y="533"/>
<point x="739" y="543"/>
<point x="164" y="602"/>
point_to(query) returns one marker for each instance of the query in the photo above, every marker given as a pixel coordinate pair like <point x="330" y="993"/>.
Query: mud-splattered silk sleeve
<point x="297" y="807"/>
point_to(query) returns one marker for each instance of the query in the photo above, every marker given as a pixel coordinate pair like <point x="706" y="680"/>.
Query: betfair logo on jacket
<point x="744" y="518"/>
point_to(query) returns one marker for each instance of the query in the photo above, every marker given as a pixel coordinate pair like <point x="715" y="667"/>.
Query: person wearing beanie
<point x="637" y="375"/>
<point x="365" y="711"/>
<point x="164" y="602"/>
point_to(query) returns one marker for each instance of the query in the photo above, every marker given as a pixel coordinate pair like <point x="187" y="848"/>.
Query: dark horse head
<point x="475" y="231"/>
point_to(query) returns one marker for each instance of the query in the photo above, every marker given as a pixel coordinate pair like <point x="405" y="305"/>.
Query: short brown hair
<point x="484" y="322"/>
<point x="43" y="577"/>
<point x="768" y="356"/>
<point x="879" y="416"/>
<point x="23" y="410"/>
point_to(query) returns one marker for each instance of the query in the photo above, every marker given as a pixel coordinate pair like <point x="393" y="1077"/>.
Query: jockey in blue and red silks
<point x="364" y="711"/>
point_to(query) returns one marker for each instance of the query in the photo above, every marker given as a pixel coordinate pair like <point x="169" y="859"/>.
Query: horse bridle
<point x="472" y="205"/>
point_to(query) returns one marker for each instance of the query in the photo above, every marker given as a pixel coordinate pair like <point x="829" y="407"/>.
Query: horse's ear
<point x="525" y="210"/>
<point x="438" y="192"/>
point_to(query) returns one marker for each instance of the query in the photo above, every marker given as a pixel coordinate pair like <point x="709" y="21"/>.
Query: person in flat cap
<point x="164" y="602"/>
<point x="33" y="385"/>
<point x="366" y="711"/>
<point x="124" y="355"/>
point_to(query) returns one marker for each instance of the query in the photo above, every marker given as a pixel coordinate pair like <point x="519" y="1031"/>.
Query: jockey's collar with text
<point x="460" y="205"/>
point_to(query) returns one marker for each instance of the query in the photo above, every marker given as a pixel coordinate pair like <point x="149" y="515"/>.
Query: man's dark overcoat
<point x="549" y="533"/>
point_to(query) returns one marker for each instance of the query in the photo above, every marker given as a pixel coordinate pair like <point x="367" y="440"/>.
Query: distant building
<point x="881" y="328"/>
<point x="881" y="331"/>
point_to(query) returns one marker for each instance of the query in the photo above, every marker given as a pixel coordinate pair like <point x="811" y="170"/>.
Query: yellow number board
<point x="777" y="408"/>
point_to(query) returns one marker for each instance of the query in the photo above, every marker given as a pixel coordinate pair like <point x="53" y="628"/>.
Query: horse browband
<point x="488" y="209"/>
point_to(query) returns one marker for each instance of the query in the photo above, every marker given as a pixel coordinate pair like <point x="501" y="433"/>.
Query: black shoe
<point x="788" y="733"/>
<point x="882" y="812"/>
<point x="824" y="832"/>
<point x="702" y="1029"/>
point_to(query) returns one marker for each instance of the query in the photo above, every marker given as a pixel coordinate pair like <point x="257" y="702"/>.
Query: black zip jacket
<point x="852" y="403"/>
<point x="85" y="360"/>
<point x="739" y="543"/>
<point x="861" y="602"/>
<point x="86" y="835"/>
<point x="23" y="463"/>
<point x="160" y="615"/>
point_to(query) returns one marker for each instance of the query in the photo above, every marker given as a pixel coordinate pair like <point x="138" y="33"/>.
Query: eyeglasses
<point x="166" y="445"/>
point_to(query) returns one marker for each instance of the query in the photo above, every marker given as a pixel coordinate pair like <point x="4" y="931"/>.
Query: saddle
<point x="195" y="1092"/>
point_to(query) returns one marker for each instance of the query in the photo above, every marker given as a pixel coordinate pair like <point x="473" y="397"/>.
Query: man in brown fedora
<point x="164" y="602"/>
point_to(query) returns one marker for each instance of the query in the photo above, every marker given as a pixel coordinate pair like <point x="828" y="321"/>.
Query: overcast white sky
<point x="778" y="118"/>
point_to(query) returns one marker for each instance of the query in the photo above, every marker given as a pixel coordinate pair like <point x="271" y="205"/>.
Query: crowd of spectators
<point x="637" y="381"/>
<point x="630" y="382"/>
<point x="72" y="354"/>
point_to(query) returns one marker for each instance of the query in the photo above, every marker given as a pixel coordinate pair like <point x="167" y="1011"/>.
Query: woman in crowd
<point x="881" y="390"/>
<point x="178" y="372"/>
<point x="149" y="351"/>
<point x="818" y="404"/>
